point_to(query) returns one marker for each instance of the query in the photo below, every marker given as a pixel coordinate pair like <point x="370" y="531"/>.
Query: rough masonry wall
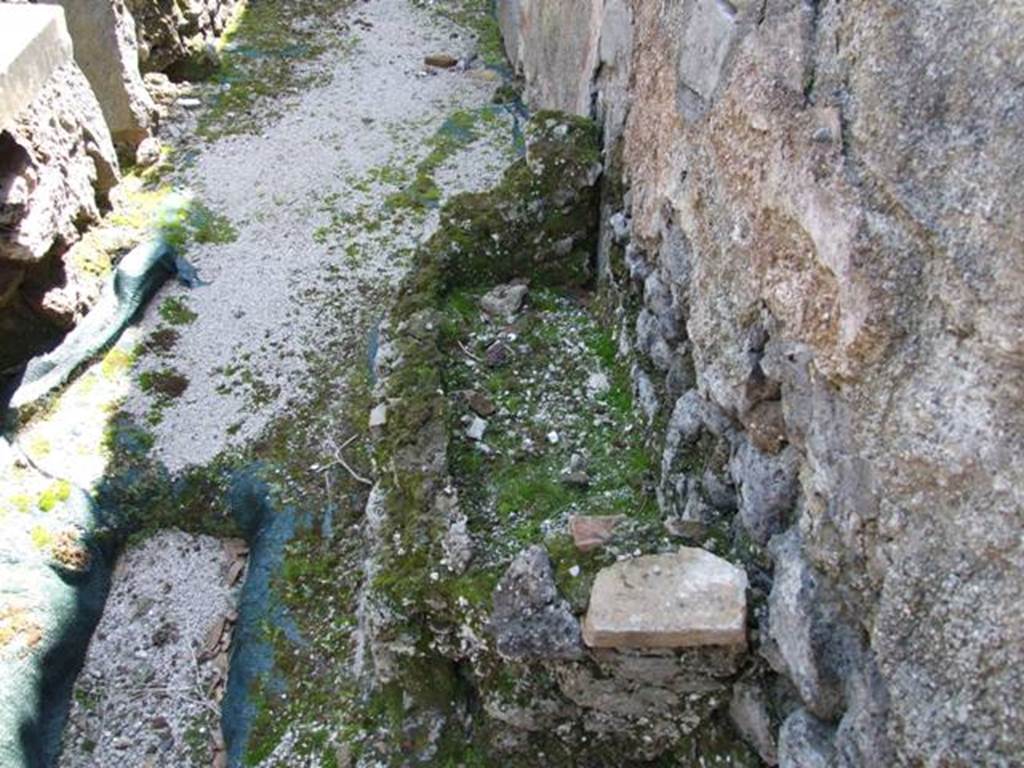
<point x="817" y="237"/>
<point x="106" y="48"/>
<point x="174" y="31"/>
<point x="57" y="164"/>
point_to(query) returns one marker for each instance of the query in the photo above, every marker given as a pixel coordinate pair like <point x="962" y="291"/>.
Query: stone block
<point x="34" y="43"/>
<point x="531" y="621"/>
<point x="57" y="164"/>
<point x="686" y="599"/>
<point x="706" y="42"/>
<point x="106" y="50"/>
<point x="589" y="533"/>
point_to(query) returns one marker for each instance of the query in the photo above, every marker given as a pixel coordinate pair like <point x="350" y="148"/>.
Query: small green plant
<point x="210" y="227"/>
<point x="20" y="502"/>
<point x="165" y="383"/>
<point x="162" y="340"/>
<point x="196" y="222"/>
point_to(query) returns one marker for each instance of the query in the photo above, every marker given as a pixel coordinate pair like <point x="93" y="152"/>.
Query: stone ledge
<point x="687" y="599"/>
<point x="34" y="43"/>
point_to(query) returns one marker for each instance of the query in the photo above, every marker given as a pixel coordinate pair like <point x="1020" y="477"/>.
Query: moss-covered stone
<point x="539" y="222"/>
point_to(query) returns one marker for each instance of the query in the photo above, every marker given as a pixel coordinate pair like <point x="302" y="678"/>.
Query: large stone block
<point x="686" y="599"/>
<point x="34" y="43"/>
<point x="543" y="38"/>
<point x="707" y="39"/>
<point x="57" y="165"/>
<point x="106" y="50"/>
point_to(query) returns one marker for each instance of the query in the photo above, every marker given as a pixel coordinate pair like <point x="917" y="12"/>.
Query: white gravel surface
<point x="300" y="195"/>
<point x="146" y="693"/>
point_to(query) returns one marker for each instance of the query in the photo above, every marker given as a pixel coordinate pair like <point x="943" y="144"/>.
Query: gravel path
<point x="307" y="197"/>
<point x="322" y="227"/>
<point x="158" y="661"/>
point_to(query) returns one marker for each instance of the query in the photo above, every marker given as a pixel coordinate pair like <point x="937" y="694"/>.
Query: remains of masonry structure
<point x="694" y="440"/>
<point x="641" y="668"/>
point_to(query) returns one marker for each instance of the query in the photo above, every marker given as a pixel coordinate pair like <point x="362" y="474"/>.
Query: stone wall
<point x="811" y="226"/>
<point x="57" y="164"/>
<point x="172" y="32"/>
<point x="71" y="92"/>
<point x="106" y="48"/>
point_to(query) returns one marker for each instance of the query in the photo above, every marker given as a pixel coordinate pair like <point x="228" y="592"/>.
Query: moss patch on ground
<point x="517" y="479"/>
<point x="538" y="223"/>
<point x="266" y="56"/>
<point x="175" y="311"/>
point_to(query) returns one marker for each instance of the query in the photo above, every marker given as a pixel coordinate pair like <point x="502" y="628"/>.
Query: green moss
<point x="523" y="226"/>
<point x="196" y="222"/>
<point x="21" y="502"/>
<point x="533" y="491"/>
<point x="116" y="362"/>
<point x="165" y="384"/>
<point x="602" y="344"/>
<point x="162" y="340"/>
<point x="210" y="227"/>
<point x="197" y="740"/>
<point x="39" y="446"/>
<point x="457" y="132"/>
<point x="42" y="538"/>
<point x="90" y="258"/>
<point x="56" y="493"/>
<point x="144" y="498"/>
<point x="175" y="311"/>
<point x="264" y="58"/>
<point x="267" y="729"/>
<point x="142" y="204"/>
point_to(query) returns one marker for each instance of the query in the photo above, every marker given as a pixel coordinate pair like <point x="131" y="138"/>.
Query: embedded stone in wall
<point x="804" y="622"/>
<point x="705" y="46"/>
<point x="544" y="37"/>
<point x="768" y="488"/>
<point x="57" y="164"/>
<point x="806" y="742"/>
<point x="686" y="599"/>
<point x="530" y="619"/>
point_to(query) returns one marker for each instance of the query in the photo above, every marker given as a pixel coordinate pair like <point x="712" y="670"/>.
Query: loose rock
<point x="504" y="301"/>
<point x="530" y="619"/>
<point x="440" y="60"/>
<point x="691" y="598"/>
<point x="590" y="533"/>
